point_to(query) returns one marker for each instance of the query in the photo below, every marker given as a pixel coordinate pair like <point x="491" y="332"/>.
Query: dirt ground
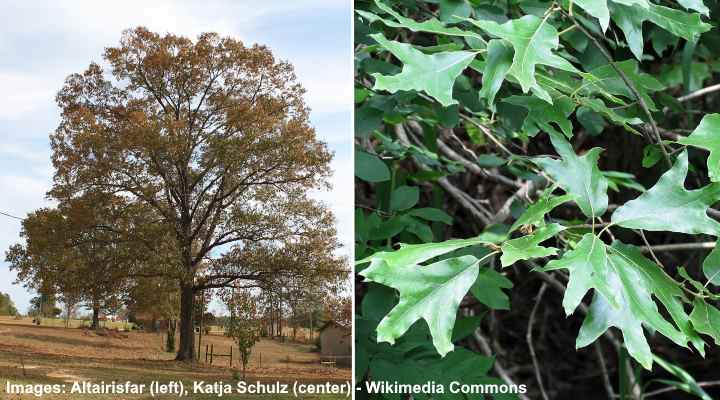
<point x="40" y="354"/>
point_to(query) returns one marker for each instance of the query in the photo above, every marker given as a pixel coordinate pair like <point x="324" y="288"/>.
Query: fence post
<point x="212" y="351"/>
<point x="231" y="356"/>
<point x="206" y="353"/>
<point x="260" y="363"/>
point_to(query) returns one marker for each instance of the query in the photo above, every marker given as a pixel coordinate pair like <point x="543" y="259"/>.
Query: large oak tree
<point x="213" y="135"/>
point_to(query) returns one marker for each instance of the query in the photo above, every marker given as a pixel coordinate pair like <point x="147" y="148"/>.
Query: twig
<point x="529" y="339"/>
<point x="588" y="226"/>
<point x="584" y="309"/>
<point x="470" y="165"/>
<point x="603" y="369"/>
<point x="559" y="287"/>
<point x="474" y="168"/>
<point x="526" y="190"/>
<point x="487" y="133"/>
<point x="672" y="388"/>
<point x="461" y="197"/>
<point x="502" y="373"/>
<point x="649" y="248"/>
<point x="22" y="363"/>
<point x="699" y="93"/>
<point x="678" y="246"/>
<point x="628" y="83"/>
<point x="465" y="200"/>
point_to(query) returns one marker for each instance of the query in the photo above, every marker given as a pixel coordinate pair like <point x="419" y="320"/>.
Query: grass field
<point x="301" y="334"/>
<point x="72" y="323"/>
<point x="32" y="354"/>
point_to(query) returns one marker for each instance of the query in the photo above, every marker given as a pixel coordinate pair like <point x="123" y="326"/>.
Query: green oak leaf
<point x="707" y="136"/>
<point x="634" y="280"/>
<point x="541" y="113"/>
<point x="597" y="105"/>
<point x="497" y="63"/>
<point x="645" y="4"/>
<point x="668" y="206"/>
<point x="588" y="268"/>
<point x="696" y="5"/>
<point x="578" y="176"/>
<point x="432" y="292"/>
<point x="527" y="247"/>
<point x="607" y="82"/>
<point x="711" y="265"/>
<point x="432" y="25"/>
<point x="535" y="213"/>
<point x="434" y="74"/>
<point x="598" y="9"/>
<point x="488" y="287"/>
<point x="706" y="319"/>
<point x="685" y="381"/>
<point x="414" y="254"/>
<point x="630" y="18"/>
<point x="533" y="40"/>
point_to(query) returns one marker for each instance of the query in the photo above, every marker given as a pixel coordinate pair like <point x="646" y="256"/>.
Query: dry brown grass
<point x="52" y="355"/>
<point x="72" y="323"/>
<point x="302" y="335"/>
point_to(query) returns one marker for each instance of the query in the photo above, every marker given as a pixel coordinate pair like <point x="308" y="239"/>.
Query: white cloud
<point x="107" y="19"/>
<point x="340" y="201"/>
<point x="24" y="93"/>
<point x="21" y="194"/>
<point x="24" y="153"/>
<point x="329" y="87"/>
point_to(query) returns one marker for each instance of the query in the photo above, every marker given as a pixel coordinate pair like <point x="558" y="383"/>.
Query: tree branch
<point x="628" y="83"/>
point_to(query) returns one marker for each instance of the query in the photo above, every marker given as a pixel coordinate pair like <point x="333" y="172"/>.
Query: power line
<point x="10" y="215"/>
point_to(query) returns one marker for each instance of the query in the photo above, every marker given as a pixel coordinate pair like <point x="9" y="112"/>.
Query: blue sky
<point x="42" y="42"/>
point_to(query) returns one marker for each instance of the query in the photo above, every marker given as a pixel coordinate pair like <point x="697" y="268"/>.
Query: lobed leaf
<point x="668" y="206"/>
<point x="707" y="136"/>
<point x="433" y="74"/>
<point x="536" y="212"/>
<point x="588" y="268"/>
<point x="527" y="247"/>
<point x="541" y="114"/>
<point x="630" y="17"/>
<point x="533" y="40"/>
<point x="431" y="292"/>
<point x="706" y="319"/>
<point x="635" y="280"/>
<point x="578" y="176"/>
<point x="711" y="266"/>
<point x="432" y="25"/>
<point x="497" y="64"/>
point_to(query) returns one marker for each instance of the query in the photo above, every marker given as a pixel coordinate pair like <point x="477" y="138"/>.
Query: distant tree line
<point x="7" y="307"/>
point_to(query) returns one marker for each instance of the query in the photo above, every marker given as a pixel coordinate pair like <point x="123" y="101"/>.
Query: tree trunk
<point x="202" y="320"/>
<point x="186" y="352"/>
<point x="96" y="316"/>
<point x="170" y="338"/>
<point x="68" y="310"/>
<point x="280" y="317"/>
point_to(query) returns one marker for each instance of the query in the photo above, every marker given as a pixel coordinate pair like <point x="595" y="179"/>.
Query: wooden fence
<point x="210" y="355"/>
